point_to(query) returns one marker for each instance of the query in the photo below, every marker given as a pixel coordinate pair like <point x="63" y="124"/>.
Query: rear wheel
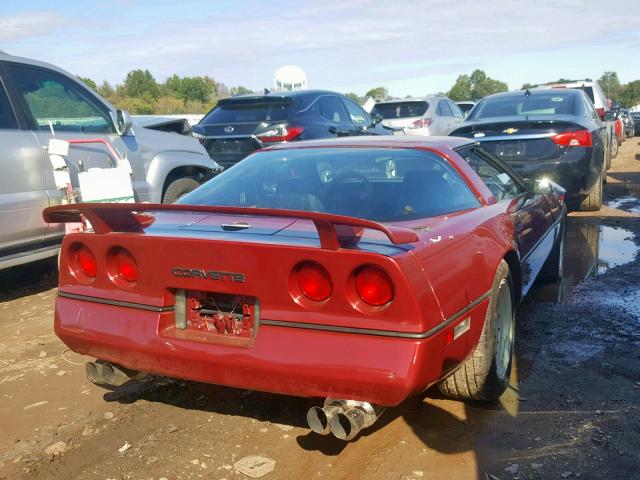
<point x="593" y="201"/>
<point x="484" y="376"/>
<point x="179" y="188"/>
<point x="614" y="149"/>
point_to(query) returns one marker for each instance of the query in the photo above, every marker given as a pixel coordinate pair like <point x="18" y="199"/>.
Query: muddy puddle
<point x="590" y="249"/>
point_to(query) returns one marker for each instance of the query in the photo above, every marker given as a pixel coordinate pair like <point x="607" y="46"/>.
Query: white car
<point x="431" y="115"/>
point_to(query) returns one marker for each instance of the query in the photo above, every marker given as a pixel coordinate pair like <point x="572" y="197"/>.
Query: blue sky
<point x="413" y="48"/>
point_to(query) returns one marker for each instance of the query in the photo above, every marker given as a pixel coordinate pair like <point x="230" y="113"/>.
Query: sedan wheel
<point x="484" y="376"/>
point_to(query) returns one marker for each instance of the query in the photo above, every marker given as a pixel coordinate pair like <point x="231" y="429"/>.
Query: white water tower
<point x="290" y="78"/>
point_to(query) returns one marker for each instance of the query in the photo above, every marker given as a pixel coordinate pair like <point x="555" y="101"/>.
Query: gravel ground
<point x="571" y="411"/>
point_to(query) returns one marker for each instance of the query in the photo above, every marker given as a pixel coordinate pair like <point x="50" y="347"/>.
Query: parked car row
<point x="537" y="132"/>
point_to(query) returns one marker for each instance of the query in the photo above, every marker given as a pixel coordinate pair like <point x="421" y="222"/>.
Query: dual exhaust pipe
<point x="344" y="418"/>
<point x="104" y="373"/>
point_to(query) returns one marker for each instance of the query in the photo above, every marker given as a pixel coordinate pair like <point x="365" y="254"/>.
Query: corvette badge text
<point x="209" y="274"/>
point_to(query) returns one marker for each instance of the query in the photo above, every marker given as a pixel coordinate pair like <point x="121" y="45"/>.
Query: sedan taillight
<point x="314" y="281"/>
<point x="374" y="286"/>
<point x="201" y="138"/>
<point x="86" y="261"/>
<point x="280" y="133"/>
<point x="122" y="266"/>
<point x="421" y="123"/>
<point x="580" y="138"/>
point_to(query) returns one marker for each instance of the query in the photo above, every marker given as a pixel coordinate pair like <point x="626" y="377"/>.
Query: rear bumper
<point x="577" y="171"/>
<point x="285" y="360"/>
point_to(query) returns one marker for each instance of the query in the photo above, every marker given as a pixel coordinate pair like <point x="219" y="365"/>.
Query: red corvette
<point x="359" y="270"/>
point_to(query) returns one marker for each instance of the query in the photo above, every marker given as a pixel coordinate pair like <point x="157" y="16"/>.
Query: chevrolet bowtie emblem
<point x="510" y="130"/>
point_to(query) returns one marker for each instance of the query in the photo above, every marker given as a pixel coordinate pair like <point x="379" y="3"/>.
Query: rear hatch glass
<point x="401" y="109"/>
<point x="552" y="103"/>
<point x="250" y="110"/>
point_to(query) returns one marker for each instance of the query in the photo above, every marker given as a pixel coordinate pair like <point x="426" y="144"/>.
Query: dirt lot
<point x="572" y="410"/>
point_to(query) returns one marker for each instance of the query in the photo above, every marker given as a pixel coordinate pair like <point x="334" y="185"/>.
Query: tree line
<point x="140" y="93"/>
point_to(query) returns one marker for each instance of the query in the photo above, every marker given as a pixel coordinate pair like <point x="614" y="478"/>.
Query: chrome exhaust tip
<point x="94" y="372"/>
<point x="346" y="425"/>
<point x="319" y="418"/>
<point x="344" y="418"/>
<point x="103" y="373"/>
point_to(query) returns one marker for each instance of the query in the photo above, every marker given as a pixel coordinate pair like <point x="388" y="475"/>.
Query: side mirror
<point x="376" y="118"/>
<point x="123" y="122"/>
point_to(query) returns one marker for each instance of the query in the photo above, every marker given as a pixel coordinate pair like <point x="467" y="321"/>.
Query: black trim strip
<point x="540" y="240"/>
<point x="308" y="326"/>
<point x="116" y="303"/>
<point x="380" y="333"/>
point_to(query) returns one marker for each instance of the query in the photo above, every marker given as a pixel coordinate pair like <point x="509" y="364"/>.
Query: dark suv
<point x="237" y="126"/>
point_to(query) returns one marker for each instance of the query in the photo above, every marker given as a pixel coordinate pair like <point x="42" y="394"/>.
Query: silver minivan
<point x="39" y="101"/>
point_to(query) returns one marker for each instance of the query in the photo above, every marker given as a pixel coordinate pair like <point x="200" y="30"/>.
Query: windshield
<point x="401" y="109"/>
<point x="546" y="103"/>
<point x="371" y="183"/>
<point x="250" y="110"/>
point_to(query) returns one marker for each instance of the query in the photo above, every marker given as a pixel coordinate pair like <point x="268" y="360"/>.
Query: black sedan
<point x="237" y="126"/>
<point x="554" y="134"/>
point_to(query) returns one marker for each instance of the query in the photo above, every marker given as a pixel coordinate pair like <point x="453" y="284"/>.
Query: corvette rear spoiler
<point x="133" y="217"/>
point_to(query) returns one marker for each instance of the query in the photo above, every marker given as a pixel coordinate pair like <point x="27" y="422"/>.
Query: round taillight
<point x="86" y="261"/>
<point x="126" y="266"/>
<point x="314" y="281"/>
<point x="374" y="286"/>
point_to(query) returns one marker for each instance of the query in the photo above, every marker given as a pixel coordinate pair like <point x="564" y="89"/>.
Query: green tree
<point x="630" y="94"/>
<point x="461" y="90"/>
<point x="88" y="82"/>
<point x="476" y="85"/>
<point x="354" y="96"/>
<point x="610" y="85"/>
<point x="378" y="94"/>
<point x="240" y="90"/>
<point x="140" y="83"/>
<point x="106" y="90"/>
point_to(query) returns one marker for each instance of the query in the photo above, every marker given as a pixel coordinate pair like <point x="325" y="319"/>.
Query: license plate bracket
<point x="214" y="317"/>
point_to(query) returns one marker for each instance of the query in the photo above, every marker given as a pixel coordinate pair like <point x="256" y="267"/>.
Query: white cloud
<point x="27" y="25"/>
<point x="338" y="42"/>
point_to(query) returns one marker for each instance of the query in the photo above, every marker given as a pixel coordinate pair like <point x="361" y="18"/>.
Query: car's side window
<point x="331" y="108"/>
<point x="443" y="109"/>
<point x="591" y="110"/>
<point x="500" y="182"/>
<point x="54" y="100"/>
<point x="7" y="119"/>
<point x="357" y="114"/>
<point x="455" y="110"/>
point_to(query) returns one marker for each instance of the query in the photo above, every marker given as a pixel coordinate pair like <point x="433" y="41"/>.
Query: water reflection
<point x="590" y="249"/>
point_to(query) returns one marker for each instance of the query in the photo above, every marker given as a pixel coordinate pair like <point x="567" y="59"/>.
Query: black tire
<point x="484" y="377"/>
<point x="593" y="201"/>
<point x="178" y="188"/>
<point x="552" y="269"/>
<point x="614" y="149"/>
